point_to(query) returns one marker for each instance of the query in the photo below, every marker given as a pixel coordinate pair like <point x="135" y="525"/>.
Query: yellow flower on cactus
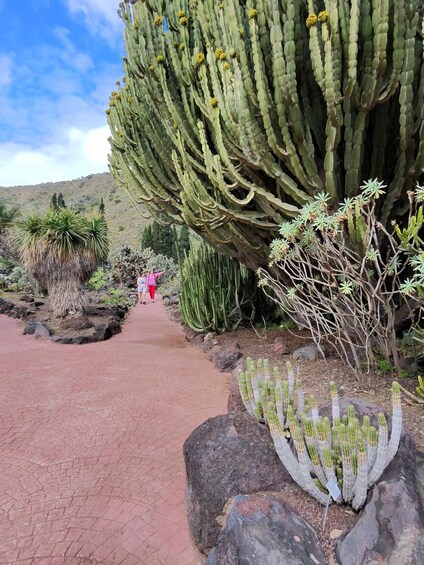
<point x="253" y="13"/>
<point x="218" y="52"/>
<point x="214" y="102"/>
<point x="180" y="14"/>
<point x="183" y="21"/>
<point x="221" y="6"/>
<point x="200" y="58"/>
<point x="223" y="56"/>
<point x="136" y="24"/>
<point x="160" y="58"/>
<point x="158" y="20"/>
<point x="226" y="66"/>
<point x="182" y="46"/>
<point x="311" y="20"/>
<point x="107" y="111"/>
<point x="151" y="68"/>
<point x="323" y="16"/>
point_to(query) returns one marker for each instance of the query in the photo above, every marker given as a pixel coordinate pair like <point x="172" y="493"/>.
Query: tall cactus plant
<point x="231" y="116"/>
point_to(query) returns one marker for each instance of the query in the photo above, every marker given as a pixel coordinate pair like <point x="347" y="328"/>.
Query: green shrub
<point x="116" y="297"/>
<point x="100" y="279"/>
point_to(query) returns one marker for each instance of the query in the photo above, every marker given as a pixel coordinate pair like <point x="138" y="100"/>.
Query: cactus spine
<point x="315" y="451"/>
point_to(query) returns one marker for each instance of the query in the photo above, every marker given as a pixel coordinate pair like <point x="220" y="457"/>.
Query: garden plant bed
<point x="343" y="525"/>
<point x="99" y="323"/>
<point x="316" y="375"/>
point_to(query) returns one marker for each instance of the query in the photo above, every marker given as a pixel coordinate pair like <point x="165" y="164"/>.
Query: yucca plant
<point x="61" y="250"/>
<point x="345" y="455"/>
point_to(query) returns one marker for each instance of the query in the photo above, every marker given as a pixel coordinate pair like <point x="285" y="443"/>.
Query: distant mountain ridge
<point x="125" y="220"/>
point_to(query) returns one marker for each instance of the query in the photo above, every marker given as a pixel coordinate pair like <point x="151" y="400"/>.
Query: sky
<point x="59" y="61"/>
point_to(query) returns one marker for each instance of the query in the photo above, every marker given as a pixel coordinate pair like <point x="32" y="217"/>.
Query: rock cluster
<point x="41" y="330"/>
<point x="232" y="472"/>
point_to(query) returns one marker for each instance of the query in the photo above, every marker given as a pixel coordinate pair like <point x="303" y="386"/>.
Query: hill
<point x="125" y="220"/>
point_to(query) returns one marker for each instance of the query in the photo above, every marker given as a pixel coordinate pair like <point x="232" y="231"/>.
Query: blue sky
<point x="59" y="60"/>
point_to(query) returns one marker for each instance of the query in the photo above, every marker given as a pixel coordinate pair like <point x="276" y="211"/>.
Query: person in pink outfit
<point x="151" y="283"/>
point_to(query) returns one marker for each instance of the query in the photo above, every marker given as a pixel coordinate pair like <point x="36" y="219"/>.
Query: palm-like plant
<point x="7" y="215"/>
<point x="61" y="250"/>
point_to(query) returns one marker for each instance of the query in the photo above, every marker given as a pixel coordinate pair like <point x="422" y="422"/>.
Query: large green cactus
<point x="233" y="115"/>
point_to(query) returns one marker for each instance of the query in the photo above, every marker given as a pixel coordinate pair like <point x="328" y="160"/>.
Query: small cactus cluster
<point x="346" y="453"/>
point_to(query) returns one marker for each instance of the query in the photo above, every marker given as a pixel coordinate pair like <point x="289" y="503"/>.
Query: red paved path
<point x="91" y="467"/>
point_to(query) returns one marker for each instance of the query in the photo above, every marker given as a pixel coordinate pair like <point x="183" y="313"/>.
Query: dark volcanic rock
<point x="76" y="324"/>
<point x="226" y="358"/>
<point x="42" y="331"/>
<point x="390" y="528"/>
<point x="261" y="530"/>
<point x="225" y="456"/>
<point x="29" y="328"/>
<point x="280" y="346"/>
<point x="26" y="298"/>
<point x="308" y="352"/>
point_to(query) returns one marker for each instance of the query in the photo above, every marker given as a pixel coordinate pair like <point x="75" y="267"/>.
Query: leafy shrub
<point x="345" y="277"/>
<point x="116" y="297"/>
<point x="100" y="279"/>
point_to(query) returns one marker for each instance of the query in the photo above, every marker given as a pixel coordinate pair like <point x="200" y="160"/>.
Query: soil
<point x="316" y="375"/>
<point x="98" y="314"/>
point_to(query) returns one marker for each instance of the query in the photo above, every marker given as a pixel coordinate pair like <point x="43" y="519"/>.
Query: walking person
<point x="151" y="283"/>
<point x="142" y="288"/>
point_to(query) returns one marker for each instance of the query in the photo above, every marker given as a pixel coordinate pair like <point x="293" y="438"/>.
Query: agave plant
<point x="61" y="250"/>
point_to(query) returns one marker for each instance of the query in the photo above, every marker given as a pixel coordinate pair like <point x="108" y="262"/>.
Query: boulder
<point x="226" y="358"/>
<point x="225" y="456"/>
<point x="26" y="298"/>
<point x="261" y="530"/>
<point x="29" y="328"/>
<point x="76" y="324"/>
<point x="198" y="340"/>
<point x="362" y="408"/>
<point x="210" y="337"/>
<point x="390" y="527"/>
<point x="309" y="352"/>
<point x="42" y="331"/>
<point x="189" y="333"/>
<point x="235" y="403"/>
<point x="213" y="352"/>
<point x="280" y="346"/>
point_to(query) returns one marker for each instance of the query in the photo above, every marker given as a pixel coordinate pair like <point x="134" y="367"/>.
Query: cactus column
<point x="233" y="116"/>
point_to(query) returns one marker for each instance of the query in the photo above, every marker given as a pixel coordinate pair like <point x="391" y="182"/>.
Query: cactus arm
<point x="399" y="29"/>
<point x="361" y="485"/>
<point x="380" y="462"/>
<point x="396" y="431"/>
<point x="348" y="474"/>
<point x="335" y="407"/>
<point x="406" y="142"/>
<point x="372" y="444"/>
<point x="244" y="393"/>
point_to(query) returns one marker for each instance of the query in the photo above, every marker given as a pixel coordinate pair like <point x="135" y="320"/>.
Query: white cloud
<point x="100" y="15"/>
<point x="79" y="153"/>
<point x="6" y="64"/>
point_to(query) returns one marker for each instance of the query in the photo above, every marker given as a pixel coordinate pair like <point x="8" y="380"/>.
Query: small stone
<point x="280" y="347"/>
<point x="42" y="331"/>
<point x="334" y="534"/>
<point x="308" y="352"/>
<point x="226" y="359"/>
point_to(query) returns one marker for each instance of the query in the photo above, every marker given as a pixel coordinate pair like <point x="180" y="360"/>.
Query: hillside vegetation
<point x="125" y="220"/>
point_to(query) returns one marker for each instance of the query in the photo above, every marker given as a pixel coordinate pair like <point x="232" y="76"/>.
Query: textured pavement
<point x="91" y="466"/>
